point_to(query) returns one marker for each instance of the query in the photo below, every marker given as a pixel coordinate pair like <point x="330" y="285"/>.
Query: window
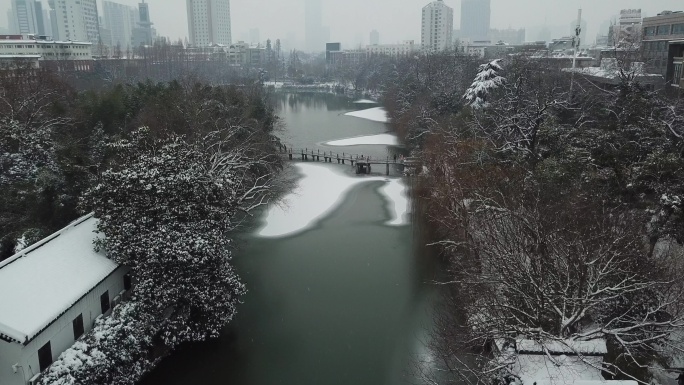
<point x="663" y="30"/>
<point x="45" y="356"/>
<point x="678" y="29"/>
<point x="78" y="326"/>
<point x="127" y="282"/>
<point x="649" y="31"/>
<point x="104" y="302"/>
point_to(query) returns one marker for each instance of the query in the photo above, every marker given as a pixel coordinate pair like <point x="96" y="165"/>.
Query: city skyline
<point x="395" y="20"/>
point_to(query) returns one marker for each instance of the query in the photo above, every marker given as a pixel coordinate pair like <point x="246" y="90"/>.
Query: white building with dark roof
<point x="50" y="295"/>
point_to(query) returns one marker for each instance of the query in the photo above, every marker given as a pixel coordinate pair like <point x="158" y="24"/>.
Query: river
<point x="342" y="297"/>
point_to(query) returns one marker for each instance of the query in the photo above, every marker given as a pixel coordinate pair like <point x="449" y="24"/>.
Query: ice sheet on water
<point x="320" y="190"/>
<point x="377" y="114"/>
<point x="381" y="139"/>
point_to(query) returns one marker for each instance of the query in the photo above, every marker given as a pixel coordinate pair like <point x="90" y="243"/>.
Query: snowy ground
<point x="365" y="101"/>
<point x="320" y="190"/>
<point x="381" y="139"/>
<point x="377" y="114"/>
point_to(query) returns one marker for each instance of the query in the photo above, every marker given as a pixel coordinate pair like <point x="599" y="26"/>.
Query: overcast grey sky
<point x="351" y="21"/>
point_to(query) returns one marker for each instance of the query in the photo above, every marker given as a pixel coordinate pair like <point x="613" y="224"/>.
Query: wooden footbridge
<point x="362" y="163"/>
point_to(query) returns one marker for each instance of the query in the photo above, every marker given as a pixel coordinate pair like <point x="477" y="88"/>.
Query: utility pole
<point x="576" y="43"/>
<point x="577" y="40"/>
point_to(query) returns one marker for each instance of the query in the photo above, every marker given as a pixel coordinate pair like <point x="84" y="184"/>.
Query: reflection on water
<point x="314" y="100"/>
<point x="345" y="302"/>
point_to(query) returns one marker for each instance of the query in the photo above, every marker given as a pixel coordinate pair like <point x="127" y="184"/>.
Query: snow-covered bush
<point x="115" y="352"/>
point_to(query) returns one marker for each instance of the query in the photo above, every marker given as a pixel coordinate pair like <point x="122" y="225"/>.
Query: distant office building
<point x="53" y="20"/>
<point x="314" y="33"/>
<point x="627" y="31"/>
<point x="509" y="36"/>
<point x="27" y="17"/>
<point x="395" y="50"/>
<point x="602" y="40"/>
<point x="254" y="36"/>
<point x="47" y="23"/>
<point x="437" y="26"/>
<point x="330" y="49"/>
<point x="374" y="37"/>
<point x="663" y="44"/>
<point x="209" y="22"/>
<point x="120" y="20"/>
<point x="143" y="33"/>
<point x="475" y="19"/>
<point x="75" y="20"/>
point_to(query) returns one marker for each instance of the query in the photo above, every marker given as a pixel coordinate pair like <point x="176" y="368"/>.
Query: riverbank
<point x="338" y="284"/>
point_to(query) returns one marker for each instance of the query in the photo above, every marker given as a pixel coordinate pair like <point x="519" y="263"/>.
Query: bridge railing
<point x="330" y="156"/>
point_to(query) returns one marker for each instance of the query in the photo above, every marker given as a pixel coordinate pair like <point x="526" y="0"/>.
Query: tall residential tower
<point x="209" y="22"/>
<point x="475" y="19"/>
<point x="437" y="26"/>
<point x="119" y="19"/>
<point x="76" y="20"/>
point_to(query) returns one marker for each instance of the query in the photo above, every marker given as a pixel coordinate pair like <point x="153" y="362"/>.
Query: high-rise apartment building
<point x="313" y="26"/>
<point x="120" y="20"/>
<point x="27" y="17"/>
<point x="437" y="26"/>
<point x="475" y="19"/>
<point x="209" y="22"/>
<point x="75" y="20"/>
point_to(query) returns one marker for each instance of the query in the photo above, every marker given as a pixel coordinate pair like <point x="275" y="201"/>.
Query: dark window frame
<point x="127" y="281"/>
<point x="77" y="324"/>
<point x="105" y="303"/>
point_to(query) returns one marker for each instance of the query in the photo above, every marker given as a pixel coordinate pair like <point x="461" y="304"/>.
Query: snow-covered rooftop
<point x="41" y="282"/>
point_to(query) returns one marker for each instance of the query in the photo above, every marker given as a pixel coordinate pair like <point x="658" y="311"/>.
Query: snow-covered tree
<point x="487" y="80"/>
<point x="168" y="213"/>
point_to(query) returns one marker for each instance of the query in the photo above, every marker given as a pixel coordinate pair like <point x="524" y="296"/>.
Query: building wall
<point x="48" y="50"/>
<point x="475" y="19"/>
<point x="209" y="22"/>
<point x="403" y="49"/>
<point x="658" y="31"/>
<point x="437" y="26"/>
<point x="59" y="333"/>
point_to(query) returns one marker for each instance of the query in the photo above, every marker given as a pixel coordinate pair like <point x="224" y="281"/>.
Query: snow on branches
<point x="486" y="81"/>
